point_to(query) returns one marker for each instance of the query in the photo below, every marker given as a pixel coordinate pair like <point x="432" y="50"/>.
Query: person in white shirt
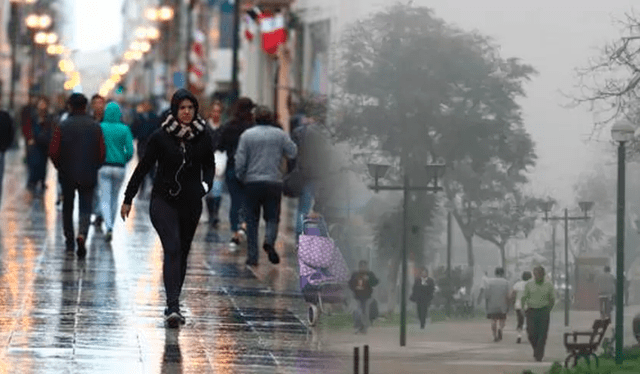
<point x="517" y="292"/>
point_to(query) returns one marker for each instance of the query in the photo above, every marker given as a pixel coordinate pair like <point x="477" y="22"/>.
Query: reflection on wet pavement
<point x="104" y="314"/>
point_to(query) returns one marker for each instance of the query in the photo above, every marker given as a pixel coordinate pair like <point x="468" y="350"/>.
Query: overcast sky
<point x="97" y="23"/>
<point x="555" y="36"/>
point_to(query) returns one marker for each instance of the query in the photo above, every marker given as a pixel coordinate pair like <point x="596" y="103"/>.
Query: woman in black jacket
<point x="422" y="294"/>
<point x="228" y="142"/>
<point x="183" y="150"/>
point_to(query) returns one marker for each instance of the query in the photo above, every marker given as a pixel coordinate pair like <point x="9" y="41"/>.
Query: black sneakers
<point x="173" y="318"/>
<point x="273" y="255"/>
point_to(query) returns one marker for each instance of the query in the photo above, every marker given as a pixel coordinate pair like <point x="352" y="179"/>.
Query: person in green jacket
<point x="118" y="140"/>
<point x="538" y="298"/>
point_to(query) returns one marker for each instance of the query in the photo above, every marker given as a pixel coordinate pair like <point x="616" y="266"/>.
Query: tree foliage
<point x="508" y="217"/>
<point x="608" y="84"/>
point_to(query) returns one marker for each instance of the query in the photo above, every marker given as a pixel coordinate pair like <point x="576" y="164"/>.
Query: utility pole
<point x="585" y="206"/>
<point x="235" y="87"/>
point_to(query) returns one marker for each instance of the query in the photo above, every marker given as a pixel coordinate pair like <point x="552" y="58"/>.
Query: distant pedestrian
<point x="496" y="297"/>
<point x="257" y="165"/>
<point x="606" y="284"/>
<point x="311" y="165"/>
<point x="7" y="133"/>
<point x="228" y="142"/>
<point x="362" y="283"/>
<point x="146" y="121"/>
<point x="183" y="151"/>
<point x="422" y="294"/>
<point x="516" y="294"/>
<point x="98" y="104"/>
<point x="119" y="150"/>
<point x="42" y="124"/>
<point x="214" y="197"/>
<point x="538" y="300"/>
<point x="77" y="151"/>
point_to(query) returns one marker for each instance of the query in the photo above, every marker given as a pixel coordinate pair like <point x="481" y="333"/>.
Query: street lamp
<point x="434" y="171"/>
<point x="37" y="23"/>
<point x="585" y="206"/>
<point x="163" y="14"/>
<point x="622" y="132"/>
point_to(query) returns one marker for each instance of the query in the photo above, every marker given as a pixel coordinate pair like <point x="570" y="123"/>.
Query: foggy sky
<point x="555" y="36"/>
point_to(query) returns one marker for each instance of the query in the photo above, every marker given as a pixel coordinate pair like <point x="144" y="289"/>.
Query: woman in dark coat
<point x="42" y="131"/>
<point x="422" y="294"/>
<point x="183" y="149"/>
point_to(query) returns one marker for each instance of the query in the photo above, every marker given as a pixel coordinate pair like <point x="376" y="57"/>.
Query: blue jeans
<point x="265" y="196"/>
<point x="110" y="180"/>
<point x="238" y="196"/>
<point x="305" y="202"/>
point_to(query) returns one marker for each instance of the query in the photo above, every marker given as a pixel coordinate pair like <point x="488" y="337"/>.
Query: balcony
<point x="273" y="4"/>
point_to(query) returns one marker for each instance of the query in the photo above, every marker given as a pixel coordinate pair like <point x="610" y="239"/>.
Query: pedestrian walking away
<point x="98" y="104"/>
<point x="310" y="167"/>
<point x="118" y="142"/>
<point x="362" y="283"/>
<point x="214" y="197"/>
<point x="606" y="283"/>
<point x="516" y="294"/>
<point x="422" y="294"/>
<point x="257" y="165"/>
<point x="496" y="297"/>
<point x="228" y="142"/>
<point x="538" y="300"/>
<point x="77" y="151"/>
<point x="7" y="133"/>
<point x="183" y="151"/>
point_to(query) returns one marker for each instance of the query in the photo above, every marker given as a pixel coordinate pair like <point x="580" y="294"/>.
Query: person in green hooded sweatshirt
<point x="118" y="141"/>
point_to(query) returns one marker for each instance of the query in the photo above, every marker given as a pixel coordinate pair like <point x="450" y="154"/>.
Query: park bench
<point x="588" y="344"/>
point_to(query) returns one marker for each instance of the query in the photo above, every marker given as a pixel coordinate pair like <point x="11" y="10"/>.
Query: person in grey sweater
<point x="258" y="161"/>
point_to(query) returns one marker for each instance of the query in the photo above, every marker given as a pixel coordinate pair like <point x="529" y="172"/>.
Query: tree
<point x="412" y="85"/>
<point x="509" y="216"/>
<point x="608" y="84"/>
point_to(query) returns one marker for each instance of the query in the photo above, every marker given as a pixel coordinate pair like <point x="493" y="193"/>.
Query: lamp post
<point x="37" y="23"/>
<point x="622" y="132"/>
<point x="15" y="19"/>
<point x="163" y="14"/>
<point x="434" y="171"/>
<point x="585" y="206"/>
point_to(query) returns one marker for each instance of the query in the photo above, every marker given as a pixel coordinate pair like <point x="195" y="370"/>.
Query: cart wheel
<point x="312" y="314"/>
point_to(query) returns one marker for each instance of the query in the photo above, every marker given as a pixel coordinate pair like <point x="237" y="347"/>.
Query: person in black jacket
<point x="422" y="294"/>
<point x="145" y="123"/>
<point x="183" y="150"/>
<point x="6" y="138"/>
<point x="362" y="283"/>
<point x="228" y="142"/>
<point x="77" y="151"/>
<point x="42" y="129"/>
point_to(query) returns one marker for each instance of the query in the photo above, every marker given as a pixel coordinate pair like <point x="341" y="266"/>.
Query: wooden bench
<point x="589" y="343"/>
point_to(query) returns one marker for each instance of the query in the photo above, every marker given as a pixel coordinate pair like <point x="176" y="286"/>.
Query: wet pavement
<point x="104" y="313"/>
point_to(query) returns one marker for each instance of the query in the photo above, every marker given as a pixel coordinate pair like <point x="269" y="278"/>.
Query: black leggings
<point x="176" y="225"/>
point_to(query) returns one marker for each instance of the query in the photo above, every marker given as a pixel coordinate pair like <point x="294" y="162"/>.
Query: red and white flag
<point x="273" y="31"/>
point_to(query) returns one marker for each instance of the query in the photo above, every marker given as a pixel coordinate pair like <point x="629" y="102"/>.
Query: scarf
<point x="183" y="132"/>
